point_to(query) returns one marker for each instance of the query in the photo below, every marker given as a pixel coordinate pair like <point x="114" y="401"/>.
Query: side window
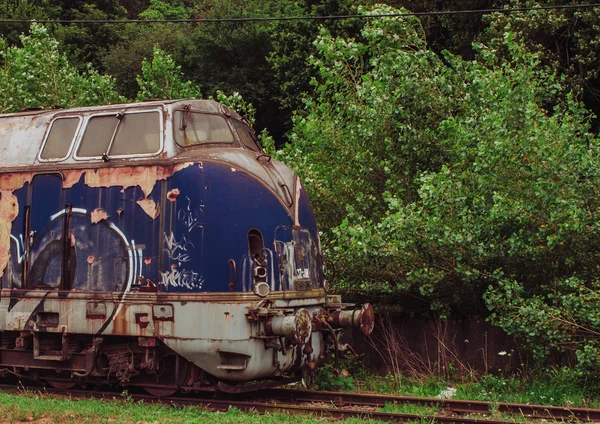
<point x="245" y="134"/>
<point x="59" y="139"/>
<point x="138" y="133"/>
<point x="121" y="134"/>
<point x="97" y="136"/>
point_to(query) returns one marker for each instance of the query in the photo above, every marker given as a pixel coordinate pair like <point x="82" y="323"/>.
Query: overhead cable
<point x="304" y="18"/>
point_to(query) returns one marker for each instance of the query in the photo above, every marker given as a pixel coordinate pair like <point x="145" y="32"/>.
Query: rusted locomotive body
<point x="156" y="244"/>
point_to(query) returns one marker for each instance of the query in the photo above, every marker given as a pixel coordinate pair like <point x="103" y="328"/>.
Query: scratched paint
<point x="172" y="194"/>
<point x="98" y="215"/>
<point x="150" y="207"/>
<point x="9" y="209"/>
<point x="144" y="177"/>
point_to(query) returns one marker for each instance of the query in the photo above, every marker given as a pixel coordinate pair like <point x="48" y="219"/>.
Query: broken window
<point x="59" y="139"/>
<point x="192" y="128"/>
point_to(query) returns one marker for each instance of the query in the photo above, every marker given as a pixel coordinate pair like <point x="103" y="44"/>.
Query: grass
<point x="554" y="386"/>
<point x="41" y="408"/>
<point x="557" y="386"/>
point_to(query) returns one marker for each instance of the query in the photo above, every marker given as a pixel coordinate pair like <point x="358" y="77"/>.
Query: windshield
<point x="193" y="128"/>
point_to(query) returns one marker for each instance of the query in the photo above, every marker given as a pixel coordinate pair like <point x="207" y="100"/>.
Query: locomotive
<point x="157" y="245"/>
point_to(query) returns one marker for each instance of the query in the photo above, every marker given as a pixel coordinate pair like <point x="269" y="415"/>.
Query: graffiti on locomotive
<point x="157" y="245"/>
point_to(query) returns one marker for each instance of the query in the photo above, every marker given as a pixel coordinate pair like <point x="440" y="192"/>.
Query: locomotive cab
<point x="157" y="245"/>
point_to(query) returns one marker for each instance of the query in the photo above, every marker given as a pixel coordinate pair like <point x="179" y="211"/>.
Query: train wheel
<point x="160" y="391"/>
<point x="61" y="385"/>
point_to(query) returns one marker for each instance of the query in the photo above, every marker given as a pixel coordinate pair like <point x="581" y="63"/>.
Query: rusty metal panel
<point x="162" y="312"/>
<point x="95" y="310"/>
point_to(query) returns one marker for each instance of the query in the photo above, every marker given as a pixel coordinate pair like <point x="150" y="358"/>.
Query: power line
<point x="302" y="18"/>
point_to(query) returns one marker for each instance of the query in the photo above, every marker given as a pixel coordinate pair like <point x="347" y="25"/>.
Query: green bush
<point x="452" y="181"/>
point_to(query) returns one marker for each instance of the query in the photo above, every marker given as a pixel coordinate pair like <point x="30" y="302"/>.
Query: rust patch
<point x="9" y="209"/>
<point x="98" y="215"/>
<point x="181" y="166"/>
<point x="367" y="319"/>
<point x="72" y="177"/>
<point x="72" y="239"/>
<point x="303" y="326"/>
<point x="145" y="177"/>
<point x="14" y="181"/>
<point x="141" y="319"/>
<point x="119" y="212"/>
<point x="148" y="261"/>
<point x="172" y="195"/>
<point x="90" y="259"/>
<point x="150" y="207"/>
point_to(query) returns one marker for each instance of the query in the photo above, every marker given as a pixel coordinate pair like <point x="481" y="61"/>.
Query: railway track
<point x="347" y="405"/>
<point x="450" y="405"/>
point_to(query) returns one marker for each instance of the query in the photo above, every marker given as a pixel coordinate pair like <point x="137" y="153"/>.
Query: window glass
<point x="98" y="133"/>
<point x="138" y="133"/>
<point x="245" y="134"/>
<point x="60" y="138"/>
<point x="197" y="128"/>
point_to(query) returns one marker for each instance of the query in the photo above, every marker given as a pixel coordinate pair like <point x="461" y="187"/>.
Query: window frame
<point x="259" y="148"/>
<point x="73" y="140"/>
<point x="234" y="136"/>
<point x="87" y="119"/>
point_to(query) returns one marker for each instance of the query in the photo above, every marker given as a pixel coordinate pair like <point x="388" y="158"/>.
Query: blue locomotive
<point x="155" y="244"/>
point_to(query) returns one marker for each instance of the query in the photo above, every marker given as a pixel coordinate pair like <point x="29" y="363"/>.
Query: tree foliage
<point x="162" y="79"/>
<point x="566" y="40"/>
<point x="447" y="179"/>
<point x="38" y="75"/>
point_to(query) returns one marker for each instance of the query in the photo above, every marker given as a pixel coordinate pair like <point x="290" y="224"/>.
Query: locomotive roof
<point x="23" y="134"/>
<point x="209" y="106"/>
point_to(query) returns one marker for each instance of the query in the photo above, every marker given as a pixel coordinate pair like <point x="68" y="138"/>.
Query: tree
<point x="564" y="39"/>
<point x="161" y="79"/>
<point x="38" y="75"/>
<point x="447" y="179"/>
<point x="232" y="56"/>
<point x="293" y="45"/>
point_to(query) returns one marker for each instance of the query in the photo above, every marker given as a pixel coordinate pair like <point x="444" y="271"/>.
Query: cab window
<point x="192" y="129"/>
<point x="246" y="135"/>
<point x="59" y="139"/>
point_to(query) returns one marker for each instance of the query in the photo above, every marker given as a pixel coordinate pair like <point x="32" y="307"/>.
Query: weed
<point x="330" y="378"/>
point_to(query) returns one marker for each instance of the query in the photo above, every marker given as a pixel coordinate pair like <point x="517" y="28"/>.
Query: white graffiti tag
<point x="179" y="251"/>
<point x="190" y="217"/>
<point x="181" y="278"/>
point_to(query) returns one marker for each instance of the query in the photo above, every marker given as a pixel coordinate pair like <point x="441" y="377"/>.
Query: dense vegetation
<point x="453" y="161"/>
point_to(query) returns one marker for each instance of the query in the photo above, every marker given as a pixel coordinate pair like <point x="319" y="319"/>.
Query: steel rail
<point x="454" y="405"/>
<point x="223" y="405"/>
<point x="340" y="404"/>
